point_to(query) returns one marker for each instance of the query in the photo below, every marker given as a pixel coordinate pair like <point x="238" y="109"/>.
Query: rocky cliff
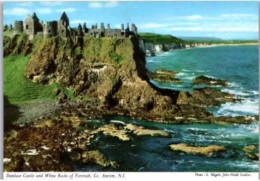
<point x="152" y="49"/>
<point x="111" y="73"/>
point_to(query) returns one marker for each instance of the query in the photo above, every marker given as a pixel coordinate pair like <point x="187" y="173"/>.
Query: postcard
<point x="130" y="86"/>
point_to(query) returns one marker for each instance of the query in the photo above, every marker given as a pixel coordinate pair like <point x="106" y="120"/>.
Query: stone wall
<point x="32" y="26"/>
<point x="50" y="29"/>
<point x="18" y="27"/>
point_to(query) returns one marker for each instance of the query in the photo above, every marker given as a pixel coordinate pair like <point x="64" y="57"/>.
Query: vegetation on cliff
<point x="160" y="39"/>
<point x="110" y="72"/>
<point x="18" y="88"/>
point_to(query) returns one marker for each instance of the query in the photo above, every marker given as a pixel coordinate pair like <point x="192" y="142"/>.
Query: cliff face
<point x="110" y="70"/>
<point x="111" y="73"/>
<point x="152" y="49"/>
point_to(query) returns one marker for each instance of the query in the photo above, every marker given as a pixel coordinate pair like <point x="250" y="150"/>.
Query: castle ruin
<point x="33" y="26"/>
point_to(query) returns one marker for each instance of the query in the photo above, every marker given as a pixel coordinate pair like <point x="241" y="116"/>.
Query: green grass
<point x="116" y="57"/>
<point x="17" y="88"/>
<point x="160" y="39"/>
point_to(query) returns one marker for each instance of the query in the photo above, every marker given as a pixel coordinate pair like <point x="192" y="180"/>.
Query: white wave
<point x="183" y="75"/>
<point x="253" y="127"/>
<point x="117" y="121"/>
<point x="244" y="164"/>
<point x="163" y="54"/>
<point x="202" y="70"/>
<point x="197" y="129"/>
<point x="245" y="107"/>
<point x="185" y="70"/>
<point x="154" y="61"/>
<point x="237" y="92"/>
<point x="254" y="92"/>
<point x="235" y="85"/>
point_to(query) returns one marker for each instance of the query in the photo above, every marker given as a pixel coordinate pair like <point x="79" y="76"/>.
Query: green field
<point x="17" y="88"/>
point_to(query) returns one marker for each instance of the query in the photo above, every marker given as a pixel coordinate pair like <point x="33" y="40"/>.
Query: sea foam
<point x="245" y="107"/>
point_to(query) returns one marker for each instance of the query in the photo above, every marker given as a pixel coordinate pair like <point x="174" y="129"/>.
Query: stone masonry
<point x="33" y="26"/>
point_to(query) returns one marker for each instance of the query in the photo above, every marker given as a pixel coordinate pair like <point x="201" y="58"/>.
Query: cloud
<point x="192" y="17"/>
<point x="51" y="3"/>
<point x="81" y="21"/>
<point x="25" y="4"/>
<point x="196" y="28"/>
<point x="44" y="11"/>
<point x="110" y="4"/>
<point x="152" y="25"/>
<point x="197" y="17"/>
<point x="217" y="29"/>
<point x="23" y="11"/>
<point x="163" y="25"/>
<point x="238" y="15"/>
<point x="67" y="10"/>
<point x="17" y="11"/>
<point x="237" y="29"/>
<point x="117" y="26"/>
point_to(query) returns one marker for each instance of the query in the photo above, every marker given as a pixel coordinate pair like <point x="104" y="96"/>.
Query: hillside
<point x="159" y="38"/>
<point x="105" y="75"/>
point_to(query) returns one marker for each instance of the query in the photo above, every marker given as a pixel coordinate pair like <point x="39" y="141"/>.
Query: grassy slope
<point x="19" y="89"/>
<point x="159" y="39"/>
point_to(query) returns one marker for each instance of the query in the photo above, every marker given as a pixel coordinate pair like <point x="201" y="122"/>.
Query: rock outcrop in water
<point x="163" y="75"/>
<point x="205" y="97"/>
<point x="203" y="150"/>
<point x="252" y="151"/>
<point x="208" y="80"/>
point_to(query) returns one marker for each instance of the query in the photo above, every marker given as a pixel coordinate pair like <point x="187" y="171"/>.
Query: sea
<point x="236" y="64"/>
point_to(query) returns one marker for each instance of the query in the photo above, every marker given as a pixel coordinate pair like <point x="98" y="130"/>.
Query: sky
<point x="222" y="19"/>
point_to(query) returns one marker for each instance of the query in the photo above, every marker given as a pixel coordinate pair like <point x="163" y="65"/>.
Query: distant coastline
<point x="153" y="44"/>
<point x="226" y="44"/>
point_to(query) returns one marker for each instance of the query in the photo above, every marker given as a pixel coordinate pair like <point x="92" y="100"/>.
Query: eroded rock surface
<point x="206" y="97"/>
<point x="41" y="147"/>
<point x="203" y="150"/>
<point x="140" y="131"/>
<point x="252" y="151"/>
<point x="164" y="76"/>
<point x="208" y="80"/>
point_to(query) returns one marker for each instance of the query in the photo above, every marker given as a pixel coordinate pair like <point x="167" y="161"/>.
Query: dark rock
<point x="208" y="80"/>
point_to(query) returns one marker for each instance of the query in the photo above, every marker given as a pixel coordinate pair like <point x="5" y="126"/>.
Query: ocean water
<point x="238" y="65"/>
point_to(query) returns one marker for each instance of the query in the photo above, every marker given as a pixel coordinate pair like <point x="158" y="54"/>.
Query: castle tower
<point x="80" y="32"/>
<point x="108" y="26"/>
<point x="64" y="19"/>
<point x="32" y="26"/>
<point x="102" y="27"/>
<point x="122" y="29"/>
<point x="18" y="27"/>
<point x="85" y="29"/>
<point x="63" y="25"/>
<point x="50" y="29"/>
<point x="127" y="30"/>
<point x="134" y="29"/>
<point x="102" y="30"/>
